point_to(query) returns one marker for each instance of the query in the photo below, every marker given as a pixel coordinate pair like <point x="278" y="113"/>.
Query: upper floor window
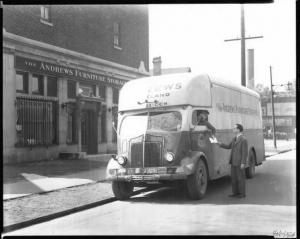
<point x="117" y="35"/>
<point x="46" y="15"/>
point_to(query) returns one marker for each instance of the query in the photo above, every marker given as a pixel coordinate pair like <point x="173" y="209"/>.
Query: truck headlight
<point x="169" y="156"/>
<point x="121" y="159"/>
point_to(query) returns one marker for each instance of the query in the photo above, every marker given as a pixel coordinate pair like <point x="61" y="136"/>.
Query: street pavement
<point x="38" y="177"/>
<point x="268" y="209"/>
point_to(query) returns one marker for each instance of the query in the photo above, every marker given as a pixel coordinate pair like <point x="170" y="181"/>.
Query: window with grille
<point x="71" y="89"/>
<point x="36" y="122"/>
<point x="117" y="35"/>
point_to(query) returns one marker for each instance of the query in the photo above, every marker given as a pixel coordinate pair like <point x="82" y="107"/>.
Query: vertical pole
<point x="273" y="114"/>
<point x="243" y="72"/>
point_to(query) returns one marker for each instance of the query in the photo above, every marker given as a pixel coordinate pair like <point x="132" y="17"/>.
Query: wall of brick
<point x="86" y="29"/>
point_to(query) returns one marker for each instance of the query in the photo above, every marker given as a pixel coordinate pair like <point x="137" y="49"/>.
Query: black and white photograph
<point x="149" y="119"/>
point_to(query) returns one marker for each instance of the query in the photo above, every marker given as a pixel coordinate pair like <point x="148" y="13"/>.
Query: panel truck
<point x="160" y="140"/>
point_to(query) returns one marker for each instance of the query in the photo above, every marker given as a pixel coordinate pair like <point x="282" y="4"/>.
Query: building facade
<point x="63" y="67"/>
<point x="285" y="117"/>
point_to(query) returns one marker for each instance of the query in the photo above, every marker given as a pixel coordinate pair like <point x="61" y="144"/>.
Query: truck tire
<point x="197" y="182"/>
<point x="122" y="190"/>
<point x="250" y="171"/>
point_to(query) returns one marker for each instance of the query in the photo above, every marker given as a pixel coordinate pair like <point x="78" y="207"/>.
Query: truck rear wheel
<point x="197" y="182"/>
<point x="250" y="171"/>
<point x="122" y="190"/>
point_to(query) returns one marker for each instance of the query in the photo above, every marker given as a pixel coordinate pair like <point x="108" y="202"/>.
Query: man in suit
<point x="238" y="157"/>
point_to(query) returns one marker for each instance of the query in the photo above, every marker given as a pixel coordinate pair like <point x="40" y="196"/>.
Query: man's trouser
<point x="238" y="180"/>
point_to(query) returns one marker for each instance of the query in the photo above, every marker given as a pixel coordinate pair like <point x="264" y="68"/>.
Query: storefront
<point x="58" y="101"/>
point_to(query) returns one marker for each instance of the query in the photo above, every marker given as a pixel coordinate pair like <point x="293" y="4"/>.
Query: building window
<point x="115" y="96"/>
<point x="37" y="84"/>
<point x="87" y="90"/>
<point x="45" y="13"/>
<point x="117" y="35"/>
<point x="36" y="122"/>
<point x="51" y="86"/>
<point x="102" y="91"/>
<point x="71" y="89"/>
<point x="22" y="82"/>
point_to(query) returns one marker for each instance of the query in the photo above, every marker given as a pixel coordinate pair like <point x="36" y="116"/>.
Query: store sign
<point x="53" y="69"/>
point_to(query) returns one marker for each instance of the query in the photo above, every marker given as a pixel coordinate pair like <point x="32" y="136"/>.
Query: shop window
<point x="102" y="91"/>
<point x="72" y="130"/>
<point x="22" y="82"/>
<point x="37" y="84"/>
<point x="103" y="125"/>
<point x="115" y="96"/>
<point x="36" y="122"/>
<point x="117" y="35"/>
<point x="51" y="86"/>
<point x="71" y="89"/>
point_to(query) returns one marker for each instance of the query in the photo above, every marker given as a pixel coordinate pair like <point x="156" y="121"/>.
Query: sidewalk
<point x="282" y="145"/>
<point x="44" y="176"/>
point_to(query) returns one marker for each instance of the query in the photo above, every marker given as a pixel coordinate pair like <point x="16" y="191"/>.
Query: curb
<point x="280" y="152"/>
<point x="49" y="217"/>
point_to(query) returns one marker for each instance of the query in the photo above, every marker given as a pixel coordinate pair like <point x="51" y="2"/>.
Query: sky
<point x="192" y="35"/>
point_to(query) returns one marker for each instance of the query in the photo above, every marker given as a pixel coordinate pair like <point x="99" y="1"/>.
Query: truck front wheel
<point x="197" y="182"/>
<point x="122" y="190"/>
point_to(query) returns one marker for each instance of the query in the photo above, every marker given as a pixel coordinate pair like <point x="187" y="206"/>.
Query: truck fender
<point x="112" y="165"/>
<point x="189" y="162"/>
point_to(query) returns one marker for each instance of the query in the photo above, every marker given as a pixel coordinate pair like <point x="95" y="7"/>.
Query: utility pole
<point x="243" y="38"/>
<point x="272" y="102"/>
<point x="273" y="114"/>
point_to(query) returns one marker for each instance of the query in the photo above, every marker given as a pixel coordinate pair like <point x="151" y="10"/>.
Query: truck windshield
<point x="134" y="125"/>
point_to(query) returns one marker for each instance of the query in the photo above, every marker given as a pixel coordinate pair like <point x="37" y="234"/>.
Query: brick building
<point x="63" y="67"/>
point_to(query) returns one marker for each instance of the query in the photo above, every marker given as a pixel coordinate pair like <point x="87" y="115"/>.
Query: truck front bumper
<point x="145" y="174"/>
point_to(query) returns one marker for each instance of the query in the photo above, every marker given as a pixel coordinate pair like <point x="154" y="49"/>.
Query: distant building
<point x="158" y="70"/>
<point x="285" y="116"/>
<point x="63" y="67"/>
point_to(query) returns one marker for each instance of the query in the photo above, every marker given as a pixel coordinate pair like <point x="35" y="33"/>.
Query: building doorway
<point x="89" y="131"/>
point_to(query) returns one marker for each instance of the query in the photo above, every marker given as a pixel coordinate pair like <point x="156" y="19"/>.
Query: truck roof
<point x="170" y="90"/>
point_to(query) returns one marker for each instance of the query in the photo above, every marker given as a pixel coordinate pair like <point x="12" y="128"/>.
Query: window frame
<point x="117" y="35"/>
<point x="40" y="78"/>
<point x="46" y="10"/>
<point x="25" y="82"/>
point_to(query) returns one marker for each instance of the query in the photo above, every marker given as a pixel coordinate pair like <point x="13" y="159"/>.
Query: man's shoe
<point x="233" y="195"/>
<point x="241" y="196"/>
